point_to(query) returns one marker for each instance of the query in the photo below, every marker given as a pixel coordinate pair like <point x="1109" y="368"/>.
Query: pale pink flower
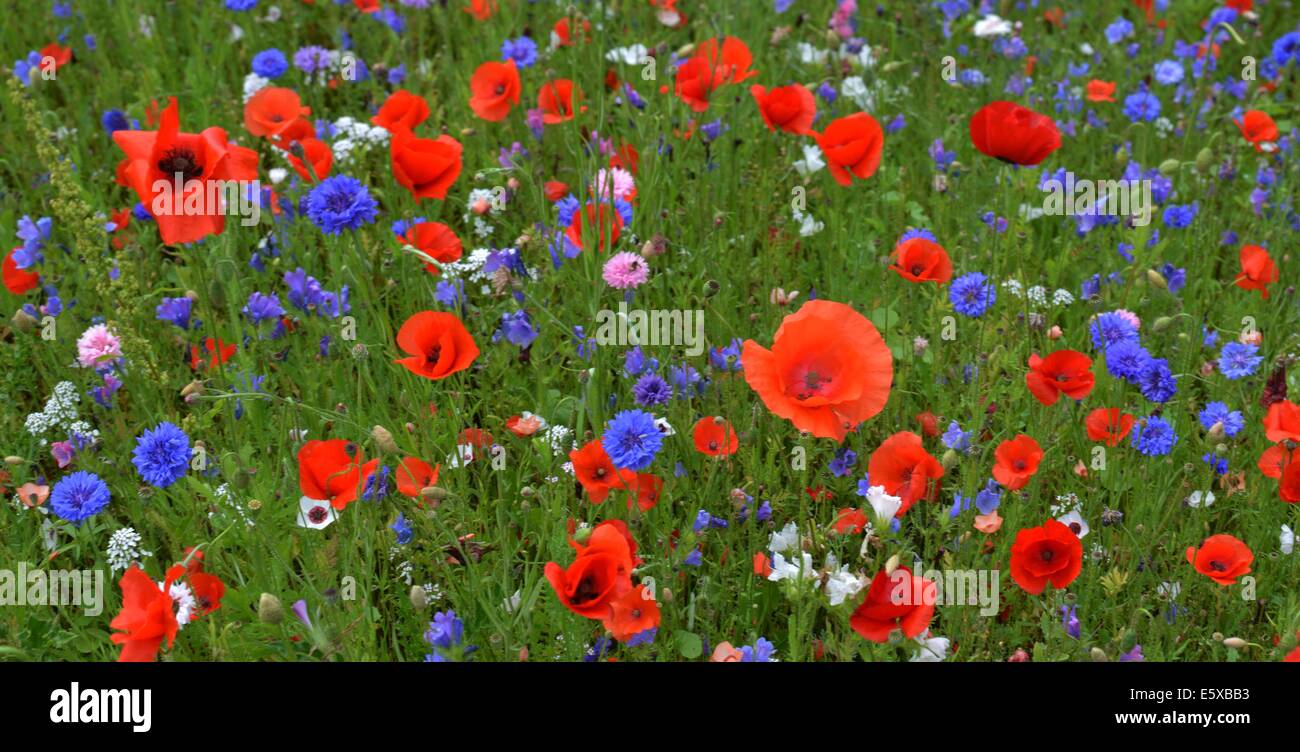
<point x="97" y="346"/>
<point x="1130" y="317"/>
<point x="620" y="180"/>
<point x="626" y="270"/>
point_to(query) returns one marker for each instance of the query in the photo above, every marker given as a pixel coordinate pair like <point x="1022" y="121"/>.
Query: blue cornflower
<point x="162" y="455"/>
<point x="989" y="497"/>
<point x="175" y="311"/>
<point x="632" y="440"/>
<point x="270" y="63"/>
<point x="1108" y="328"/>
<point x="761" y="652"/>
<point x="727" y="358"/>
<point x="1070" y="621"/>
<point x="78" y="496"/>
<point x="403" y="529"/>
<point x="1142" y="106"/>
<point x="1179" y="216"/>
<point x="687" y="381"/>
<point x="311" y="59"/>
<point x="843" y="462"/>
<point x="1175" y="277"/>
<point x="522" y="50"/>
<point x="1218" y="464"/>
<point x="1153" y="436"/>
<point x="115" y="120"/>
<point x="240" y="5"/>
<point x="827" y="92"/>
<point x="972" y="294"/>
<point x="516" y="328"/>
<point x="956" y="439"/>
<point x="636" y="363"/>
<point x="306" y="294"/>
<point x="1157" y="382"/>
<point x="1127" y="360"/>
<point x="651" y="390"/>
<point x="1168" y="72"/>
<point x="1286" y="50"/>
<point x="261" y="307"/>
<point x="644" y="637"/>
<point x="1119" y="30"/>
<point x="340" y="203"/>
<point x="694" y="559"/>
<point x="1217" y="412"/>
<point x="1238" y="360"/>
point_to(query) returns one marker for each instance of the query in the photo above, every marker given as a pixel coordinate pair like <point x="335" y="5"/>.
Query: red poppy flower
<point x="1101" y="91"/>
<point x="272" y="110"/>
<point x="695" y="81"/>
<point x="557" y="99"/>
<point x="621" y="528"/>
<point x="828" y="369"/>
<point x="905" y="469"/>
<point x="401" y="111"/>
<point x="732" y="58"/>
<point x="563" y="37"/>
<point x="219" y="351"/>
<point x="1282" y="421"/>
<point x="147" y="615"/>
<point x="58" y="53"/>
<point x="1288" y="487"/>
<point x="414" y="475"/>
<point x="523" y="427"/>
<point x="1258" y="129"/>
<point x="1064" y="371"/>
<point x="788" y="108"/>
<point x="154" y="159"/>
<point x="596" y="472"/>
<point x="481" y="10"/>
<point x="929" y="423"/>
<point x="598" y="576"/>
<point x="1108" y="424"/>
<point x="316" y="153"/>
<point x="1257" y="270"/>
<point x="895" y="601"/>
<point x="625" y="157"/>
<point x="922" y="260"/>
<point x="1011" y="133"/>
<point x="632" y="614"/>
<point x="1222" y="558"/>
<point x="494" y="89"/>
<point x="333" y="470"/>
<point x="1017" y="461"/>
<point x="436" y="240"/>
<point x="18" y="281"/>
<point x="1275" y="460"/>
<point x="207" y="590"/>
<point x="850" y="521"/>
<point x="852" y="147"/>
<point x="1039" y="555"/>
<point x="715" y="437"/>
<point x="605" y="220"/>
<point x="437" y="343"/>
<point x="425" y="167"/>
<point x="555" y="190"/>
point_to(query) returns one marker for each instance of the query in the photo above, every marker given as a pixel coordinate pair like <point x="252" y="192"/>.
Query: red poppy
<point x="605" y="220"/>
<point x="1108" y="424"/>
<point x="596" y="472"/>
<point x="1275" y="460"/>
<point x="18" y="281"/>
<point x="316" y="153"/>
<point x="58" y="53"/>
<point x="852" y="147"/>
<point x="1258" y="129"/>
<point x="481" y="10"/>
<point x="523" y="427"/>
<point x="625" y="157"/>
<point x="207" y="590"/>
<point x="156" y="158"/>
<point x="928" y="422"/>
<point x="701" y="75"/>
<point x="922" y="260"/>
<point x="147" y="615"/>
<point x="425" y="167"/>
<point x="1017" y="461"/>
<point x="621" y="528"/>
<point x="333" y="470"/>
<point x="849" y="521"/>
<point x="272" y="110"/>
<point x="788" y="108"/>
<point x="1288" y="487"/>
<point x="828" y="369"/>
<point x="557" y="100"/>
<point x="1257" y="270"/>
<point x="437" y="343"/>
<point x="414" y="475"/>
<point x="435" y="240"/>
<point x="732" y="58"/>
<point x="402" y="111"/>
<point x="598" y="576"/>
<point x="1282" y="421"/>
<point x="1011" y="133"/>
<point x="1051" y="553"/>
<point x="1064" y="371"/>
<point x="632" y="614"/>
<point x="896" y="600"/>
<point x="1101" y="91"/>
<point x="905" y="469"/>
<point x="1222" y="558"/>
<point x="649" y="487"/>
<point x="562" y="36"/>
<point x="555" y="190"/>
<point x="494" y="89"/>
<point x="219" y="351"/>
<point x="715" y="437"/>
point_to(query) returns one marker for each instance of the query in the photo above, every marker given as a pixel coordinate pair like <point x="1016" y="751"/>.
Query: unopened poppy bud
<point x="1170" y="167"/>
<point x="582" y="535"/>
<point x="269" y="610"/>
<point x="193" y="388"/>
<point x="892" y="564"/>
<point x="359" y="351"/>
<point x="1020" y="656"/>
<point x="433" y="493"/>
<point x="1236" y="643"/>
<point x="896" y="637"/>
<point x="383" y="439"/>
<point x="14" y="460"/>
<point x="1055" y="332"/>
<point x="192" y="295"/>
<point x="950" y="459"/>
<point x="24" y="321"/>
<point x="711" y="288"/>
<point x="1121" y="156"/>
<point x="1098" y="655"/>
<point x="527" y="492"/>
<point x="684" y="52"/>
<point x="1216" y="431"/>
<point x="655" y="246"/>
<point x="419" y="598"/>
<point x="466" y="132"/>
<point x="665" y="595"/>
<point x="939" y="183"/>
<point x="1162" y="323"/>
<point x="1157" y="279"/>
<point x="1217" y="637"/>
<point x="1204" y="159"/>
<point x="1220" y="448"/>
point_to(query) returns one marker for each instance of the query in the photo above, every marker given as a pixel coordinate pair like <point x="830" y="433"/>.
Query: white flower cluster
<point x="224" y="495"/>
<point x="124" y="549"/>
<point x="488" y="197"/>
<point x="254" y="83"/>
<point x="1038" y="295"/>
<point x="351" y="135"/>
<point x="60" y="412"/>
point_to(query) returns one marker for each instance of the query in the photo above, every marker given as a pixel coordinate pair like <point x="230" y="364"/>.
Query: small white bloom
<point x="1288" y="540"/>
<point x="315" y="514"/>
<point x="792" y="570"/>
<point x="992" y="26"/>
<point x="930" y="649"/>
<point x="1075" y="521"/>
<point x="787" y="538"/>
<point x="884" y="505"/>
<point x="812" y="160"/>
<point x="1198" y="499"/>
<point x="842" y="585"/>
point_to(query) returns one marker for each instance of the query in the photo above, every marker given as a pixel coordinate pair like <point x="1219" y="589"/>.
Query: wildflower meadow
<point x="650" y="331"/>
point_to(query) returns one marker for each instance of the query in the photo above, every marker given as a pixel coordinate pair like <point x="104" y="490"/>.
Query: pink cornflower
<point x="1130" y="317"/>
<point x="619" y="180"/>
<point x="626" y="270"/>
<point x="97" y="347"/>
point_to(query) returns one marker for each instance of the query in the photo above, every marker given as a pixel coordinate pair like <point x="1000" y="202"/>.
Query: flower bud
<point x="384" y="439"/>
<point x="1170" y="167"/>
<point x="1236" y="643"/>
<point x="1157" y="279"/>
<point x="892" y="564"/>
<point x="419" y="598"/>
<point x="24" y="321"/>
<point x="1098" y="655"/>
<point x="269" y="610"/>
<point x="1204" y="160"/>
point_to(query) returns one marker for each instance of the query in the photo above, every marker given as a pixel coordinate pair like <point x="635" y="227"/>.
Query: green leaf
<point x="689" y="644"/>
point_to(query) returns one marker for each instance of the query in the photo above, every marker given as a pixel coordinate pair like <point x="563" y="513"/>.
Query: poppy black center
<point x="1047" y="554"/>
<point x="432" y="357"/>
<point x="182" y="161"/>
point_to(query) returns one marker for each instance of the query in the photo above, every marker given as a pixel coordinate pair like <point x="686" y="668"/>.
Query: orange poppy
<point x="1258" y="129"/>
<point x="852" y="146"/>
<point x="219" y="351"/>
<point x="897" y="600"/>
<point x="207" y="590"/>
<point x="732" y="58"/>
<point x="715" y="437"/>
<point x="905" y="469"/>
<point x="1222" y="558"/>
<point x="596" y="472"/>
<point x="928" y="422"/>
<point x="18" y="281"/>
<point x="828" y="369"/>
<point x="1108" y="424"/>
<point x="333" y="470"/>
<point x="425" y="167"/>
<point x="481" y="10"/>
<point x="1014" y="134"/>
<point x="788" y="108"/>
<point x="1257" y="270"/>
<point x="316" y="153"/>
<point x="414" y="475"/>
<point x="922" y="260"/>
<point x="437" y="343"/>
<point x="1282" y="421"/>
<point x="436" y="240"/>
<point x="147" y="615"/>
<point x="1017" y="461"/>
<point x="1050" y="553"/>
<point x="632" y="614"/>
<point x="1062" y="372"/>
<point x="494" y="89"/>
<point x="401" y="111"/>
<point x="272" y="110"/>
<point x="557" y="99"/>
<point x="1101" y="91"/>
<point x="599" y="575"/>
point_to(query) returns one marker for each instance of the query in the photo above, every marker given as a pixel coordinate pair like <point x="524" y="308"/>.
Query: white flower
<point x="842" y="585"/>
<point x="512" y="603"/>
<point x="124" y="549"/>
<point x="810" y="55"/>
<point x="184" y="600"/>
<point x="884" y="505"/>
<point x="930" y="649"/>
<point x="277" y="175"/>
<point x="1075" y="521"/>
<point x="1062" y="297"/>
<point x="315" y="514"/>
<point x="856" y="89"/>
<point x="254" y="83"/>
<point x="807" y="225"/>
<point x="787" y="538"/>
<point x="791" y="570"/>
<point x="1169" y="589"/>
<point x="992" y="26"/>
<point x="1288" y="540"/>
<point x="636" y="54"/>
<point x="1198" y="499"/>
<point x="812" y="160"/>
<point x="665" y="427"/>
